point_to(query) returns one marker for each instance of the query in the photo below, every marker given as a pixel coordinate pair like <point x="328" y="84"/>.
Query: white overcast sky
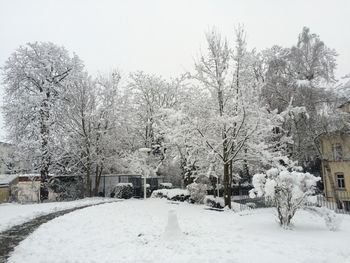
<point x="163" y="36"/>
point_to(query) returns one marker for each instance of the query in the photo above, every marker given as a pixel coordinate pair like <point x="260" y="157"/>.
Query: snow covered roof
<point x="29" y="175"/>
<point x="145" y="150"/>
<point x="129" y="175"/>
<point x="35" y="175"/>
<point x="6" y="179"/>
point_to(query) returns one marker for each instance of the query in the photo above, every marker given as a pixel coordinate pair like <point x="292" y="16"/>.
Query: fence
<point x="247" y="203"/>
<point x="328" y="201"/>
<point x="342" y="205"/>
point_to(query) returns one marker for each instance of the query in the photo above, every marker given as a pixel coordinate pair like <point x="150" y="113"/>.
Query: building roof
<point x="6" y="179"/>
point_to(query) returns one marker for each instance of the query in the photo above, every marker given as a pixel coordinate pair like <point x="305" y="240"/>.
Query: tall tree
<point x="225" y="116"/>
<point x="91" y="133"/>
<point x="234" y="123"/>
<point x="301" y="76"/>
<point x="36" y="77"/>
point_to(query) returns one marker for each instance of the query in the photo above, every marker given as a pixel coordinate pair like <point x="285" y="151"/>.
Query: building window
<point x="337" y="152"/>
<point x="340" y="180"/>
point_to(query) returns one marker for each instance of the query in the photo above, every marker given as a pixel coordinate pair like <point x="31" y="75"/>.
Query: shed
<point x="6" y="182"/>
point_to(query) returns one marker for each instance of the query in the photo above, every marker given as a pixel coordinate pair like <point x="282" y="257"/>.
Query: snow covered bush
<point x="197" y="192"/>
<point x="158" y="194"/>
<point x="123" y="191"/>
<point x="215" y="202"/>
<point x="171" y="194"/>
<point x="331" y="219"/>
<point x="287" y="190"/>
<point x="165" y="185"/>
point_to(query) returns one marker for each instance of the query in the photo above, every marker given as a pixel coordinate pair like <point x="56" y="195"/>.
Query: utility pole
<point x="145" y="154"/>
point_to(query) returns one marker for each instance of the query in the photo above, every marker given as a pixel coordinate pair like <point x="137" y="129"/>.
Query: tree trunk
<point x="227" y="185"/>
<point x="98" y="175"/>
<point x="45" y="153"/>
<point x="87" y="183"/>
<point x="245" y="167"/>
<point x="231" y="171"/>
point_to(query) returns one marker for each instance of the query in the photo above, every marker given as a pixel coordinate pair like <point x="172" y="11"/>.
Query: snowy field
<point x="133" y="231"/>
<point x="12" y="214"/>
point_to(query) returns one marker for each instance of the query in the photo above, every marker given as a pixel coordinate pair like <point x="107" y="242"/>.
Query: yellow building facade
<point x="335" y="149"/>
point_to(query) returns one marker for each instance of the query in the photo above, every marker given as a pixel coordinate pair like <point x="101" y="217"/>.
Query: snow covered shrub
<point x="123" y="190"/>
<point x="158" y="193"/>
<point x="165" y="185"/>
<point x="287" y="190"/>
<point x="331" y="219"/>
<point x="215" y="202"/>
<point x="175" y="194"/>
<point x="197" y="192"/>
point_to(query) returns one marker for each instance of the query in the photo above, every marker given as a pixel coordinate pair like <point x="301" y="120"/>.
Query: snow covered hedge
<point x="172" y="194"/>
<point x="215" y="202"/>
<point x="287" y="190"/>
<point x="165" y="185"/>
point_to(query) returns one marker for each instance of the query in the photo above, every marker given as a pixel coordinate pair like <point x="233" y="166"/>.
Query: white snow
<point x="132" y="231"/>
<point x="12" y="214"/>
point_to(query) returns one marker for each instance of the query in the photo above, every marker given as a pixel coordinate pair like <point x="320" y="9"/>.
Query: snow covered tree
<point x="90" y="128"/>
<point x="176" y="127"/>
<point x="229" y="115"/>
<point x="212" y="71"/>
<point x="300" y="76"/>
<point x="287" y="189"/>
<point x="107" y="127"/>
<point x="36" y="78"/>
<point x="150" y="95"/>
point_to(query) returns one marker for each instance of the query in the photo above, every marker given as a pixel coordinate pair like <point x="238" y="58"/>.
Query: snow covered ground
<point x="12" y="214"/>
<point x="133" y="231"/>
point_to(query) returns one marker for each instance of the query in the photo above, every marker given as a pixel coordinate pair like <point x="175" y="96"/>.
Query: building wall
<point x="336" y="166"/>
<point x="5" y="190"/>
<point x="28" y="192"/>
<point x="4" y="194"/>
<point x="345" y="107"/>
<point x="328" y="141"/>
